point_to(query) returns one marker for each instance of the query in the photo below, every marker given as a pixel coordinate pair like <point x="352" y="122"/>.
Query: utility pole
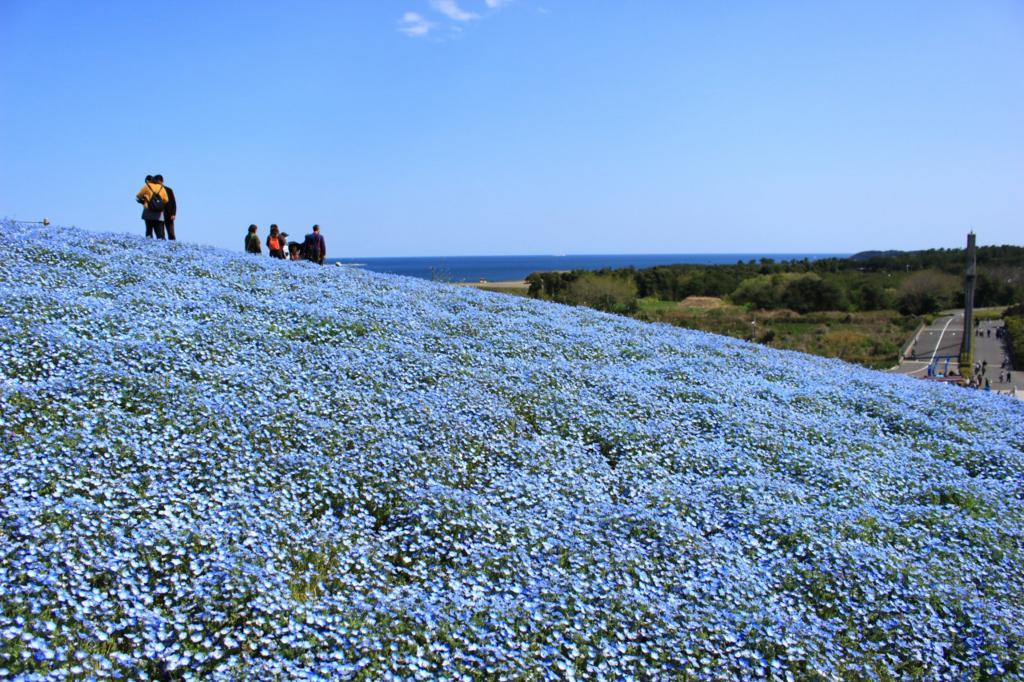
<point x="967" y="349"/>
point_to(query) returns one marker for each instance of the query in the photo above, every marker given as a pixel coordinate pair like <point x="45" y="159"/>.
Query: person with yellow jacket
<point x="153" y="198"/>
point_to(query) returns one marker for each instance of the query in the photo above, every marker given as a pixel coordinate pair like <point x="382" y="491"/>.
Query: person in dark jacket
<point x="171" y="210"/>
<point x="153" y="198"/>
<point x="314" y="247"/>
<point x="252" y="241"/>
<point x="274" y="247"/>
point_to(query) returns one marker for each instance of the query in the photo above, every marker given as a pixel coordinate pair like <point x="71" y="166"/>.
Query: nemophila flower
<point x="205" y="472"/>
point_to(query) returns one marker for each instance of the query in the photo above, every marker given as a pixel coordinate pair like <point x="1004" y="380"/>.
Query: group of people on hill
<point x="160" y="208"/>
<point x="312" y="248"/>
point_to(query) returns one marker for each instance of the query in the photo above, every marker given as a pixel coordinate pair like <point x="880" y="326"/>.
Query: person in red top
<point x="274" y="245"/>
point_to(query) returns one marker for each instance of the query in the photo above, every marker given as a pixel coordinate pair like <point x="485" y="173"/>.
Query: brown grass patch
<point x="701" y="302"/>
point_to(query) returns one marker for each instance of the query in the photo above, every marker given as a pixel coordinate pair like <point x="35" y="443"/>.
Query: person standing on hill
<point x="153" y="198"/>
<point x="149" y="228"/>
<point x="274" y="248"/>
<point x="314" y="247"/>
<point x="252" y="241"/>
<point x="171" y="211"/>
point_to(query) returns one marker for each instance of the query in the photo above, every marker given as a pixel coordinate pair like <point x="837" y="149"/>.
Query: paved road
<point x="933" y="345"/>
<point x="938" y="346"/>
<point x="991" y="349"/>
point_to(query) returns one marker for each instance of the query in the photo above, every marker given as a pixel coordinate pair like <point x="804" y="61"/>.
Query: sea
<point x="516" y="268"/>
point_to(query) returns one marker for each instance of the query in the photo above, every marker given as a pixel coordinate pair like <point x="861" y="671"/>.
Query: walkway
<point x="937" y="346"/>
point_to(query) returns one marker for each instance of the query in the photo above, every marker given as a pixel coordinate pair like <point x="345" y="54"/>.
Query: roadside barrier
<point x="907" y="346"/>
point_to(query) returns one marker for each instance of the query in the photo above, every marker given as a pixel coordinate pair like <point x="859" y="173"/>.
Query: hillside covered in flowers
<point x="218" y="465"/>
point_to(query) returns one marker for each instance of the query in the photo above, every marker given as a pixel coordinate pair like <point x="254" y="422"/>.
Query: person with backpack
<point x="314" y="247"/>
<point x="252" y="241"/>
<point x="153" y="198"/>
<point x="274" y="247"/>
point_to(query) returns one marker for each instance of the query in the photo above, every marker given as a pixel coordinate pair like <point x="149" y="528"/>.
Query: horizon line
<point x="591" y="255"/>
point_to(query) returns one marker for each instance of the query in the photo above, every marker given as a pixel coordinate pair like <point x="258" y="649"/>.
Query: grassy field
<point x="872" y="339"/>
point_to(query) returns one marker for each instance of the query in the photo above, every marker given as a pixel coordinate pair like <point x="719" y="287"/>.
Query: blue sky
<point x="462" y="127"/>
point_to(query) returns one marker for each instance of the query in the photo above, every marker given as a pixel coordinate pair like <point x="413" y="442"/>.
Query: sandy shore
<point x="513" y="284"/>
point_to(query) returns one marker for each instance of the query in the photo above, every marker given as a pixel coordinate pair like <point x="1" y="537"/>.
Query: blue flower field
<point x="219" y="466"/>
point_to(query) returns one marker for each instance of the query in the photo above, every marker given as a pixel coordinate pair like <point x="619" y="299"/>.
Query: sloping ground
<point x="218" y="464"/>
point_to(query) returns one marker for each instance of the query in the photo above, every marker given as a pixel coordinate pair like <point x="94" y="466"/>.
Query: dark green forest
<point x="914" y="283"/>
<point x="1013" y="318"/>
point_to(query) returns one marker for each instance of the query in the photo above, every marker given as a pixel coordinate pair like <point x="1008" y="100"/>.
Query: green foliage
<point x="919" y="303"/>
<point x="1014" y="321"/>
<point x="861" y="283"/>
<point x="837" y="307"/>
<point x="870" y="295"/>
<point x="927" y="291"/>
<point x="810" y="293"/>
<point x="872" y="339"/>
<point x="608" y="290"/>
<point x="951" y="261"/>
<point x="803" y="293"/>
<point x="763" y="292"/>
<point x="603" y="292"/>
<point x="550" y="285"/>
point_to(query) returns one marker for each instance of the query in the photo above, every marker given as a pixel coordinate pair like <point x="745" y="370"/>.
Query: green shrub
<point x="763" y="292"/>
<point x="927" y="291"/>
<point x="608" y="293"/>
<point x="1015" y="339"/>
<point x="812" y="293"/>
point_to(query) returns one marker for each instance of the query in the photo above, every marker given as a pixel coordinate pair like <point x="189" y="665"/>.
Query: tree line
<point x="914" y="283"/>
<point x="1013" y="317"/>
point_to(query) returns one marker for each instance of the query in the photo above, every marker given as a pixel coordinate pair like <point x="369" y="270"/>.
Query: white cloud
<point x="415" y="25"/>
<point x="412" y="24"/>
<point x="451" y="9"/>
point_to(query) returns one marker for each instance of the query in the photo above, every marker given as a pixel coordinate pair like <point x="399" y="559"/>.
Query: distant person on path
<point x="153" y="198"/>
<point x="294" y="251"/>
<point x="284" y="244"/>
<point x="314" y="247"/>
<point x="171" y="210"/>
<point x="274" y="247"/>
<point x="252" y="241"/>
